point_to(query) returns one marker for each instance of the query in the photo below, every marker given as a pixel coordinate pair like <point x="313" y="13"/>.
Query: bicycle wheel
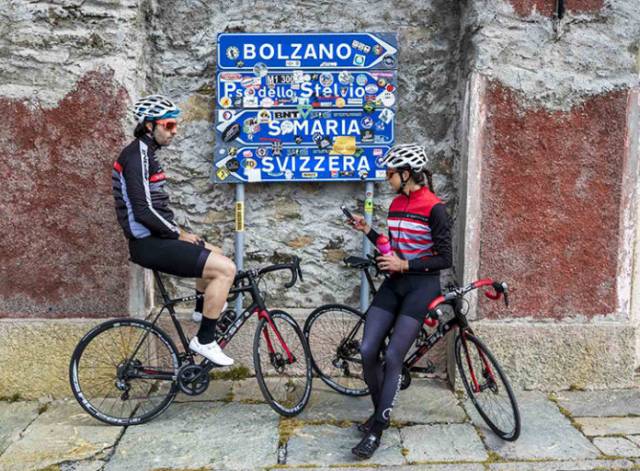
<point x="487" y="386"/>
<point x="334" y="334"/>
<point x="123" y="371"/>
<point x="284" y="376"/>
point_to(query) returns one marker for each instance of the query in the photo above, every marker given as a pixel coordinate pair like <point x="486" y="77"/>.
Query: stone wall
<point x="550" y="187"/>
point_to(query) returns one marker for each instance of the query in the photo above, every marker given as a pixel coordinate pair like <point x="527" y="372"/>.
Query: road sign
<point x="335" y="89"/>
<point x="304" y="107"/>
<point x="275" y="163"/>
<point x="262" y="52"/>
<point x="300" y="126"/>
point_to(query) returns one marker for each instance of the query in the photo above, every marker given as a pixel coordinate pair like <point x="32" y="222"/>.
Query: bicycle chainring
<point x="191" y="380"/>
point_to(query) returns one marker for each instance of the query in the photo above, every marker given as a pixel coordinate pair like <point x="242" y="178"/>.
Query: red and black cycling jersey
<point x="419" y="231"/>
<point x="142" y="205"/>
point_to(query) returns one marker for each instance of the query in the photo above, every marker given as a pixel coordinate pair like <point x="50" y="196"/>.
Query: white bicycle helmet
<point x="154" y="107"/>
<point x="412" y="156"/>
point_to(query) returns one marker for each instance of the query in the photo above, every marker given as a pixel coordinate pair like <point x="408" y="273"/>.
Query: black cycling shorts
<point x="172" y="256"/>
<point x="408" y="295"/>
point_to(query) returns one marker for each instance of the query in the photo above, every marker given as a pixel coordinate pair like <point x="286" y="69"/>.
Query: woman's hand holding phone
<point x="356" y="220"/>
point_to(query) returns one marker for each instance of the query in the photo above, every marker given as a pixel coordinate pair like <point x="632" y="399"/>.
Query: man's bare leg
<point x="201" y="286"/>
<point x="218" y="274"/>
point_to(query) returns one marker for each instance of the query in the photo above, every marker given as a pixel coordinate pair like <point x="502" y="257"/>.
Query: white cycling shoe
<point x="211" y="351"/>
<point x="196" y="316"/>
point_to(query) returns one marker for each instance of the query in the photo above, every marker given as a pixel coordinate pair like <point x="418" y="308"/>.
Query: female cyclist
<point x="419" y="233"/>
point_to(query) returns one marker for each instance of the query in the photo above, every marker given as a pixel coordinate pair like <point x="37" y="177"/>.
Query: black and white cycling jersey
<point x="142" y="205"/>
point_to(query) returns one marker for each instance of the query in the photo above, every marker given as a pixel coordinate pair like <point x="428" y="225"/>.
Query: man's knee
<point x="230" y="268"/>
<point x="218" y="266"/>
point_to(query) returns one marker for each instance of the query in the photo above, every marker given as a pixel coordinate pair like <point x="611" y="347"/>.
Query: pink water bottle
<point x="383" y="245"/>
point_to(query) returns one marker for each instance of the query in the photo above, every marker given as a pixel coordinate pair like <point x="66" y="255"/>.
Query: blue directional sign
<point x="305" y="126"/>
<point x="335" y="89"/>
<point x="262" y="52"/>
<point x="304" y="107"/>
<point x="273" y="163"/>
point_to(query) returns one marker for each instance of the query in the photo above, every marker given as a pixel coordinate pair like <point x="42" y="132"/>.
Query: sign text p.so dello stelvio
<point x="304" y="107"/>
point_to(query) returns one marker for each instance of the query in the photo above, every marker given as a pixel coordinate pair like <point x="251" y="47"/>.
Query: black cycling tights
<point x="384" y="382"/>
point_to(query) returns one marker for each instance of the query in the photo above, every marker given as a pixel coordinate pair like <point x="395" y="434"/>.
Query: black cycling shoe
<point x="367" y="446"/>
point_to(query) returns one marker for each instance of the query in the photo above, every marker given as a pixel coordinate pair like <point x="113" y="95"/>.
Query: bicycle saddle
<point x="356" y="262"/>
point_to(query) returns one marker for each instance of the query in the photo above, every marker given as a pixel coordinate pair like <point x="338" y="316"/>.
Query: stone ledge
<point x="35" y="354"/>
<point x="553" y="356"/>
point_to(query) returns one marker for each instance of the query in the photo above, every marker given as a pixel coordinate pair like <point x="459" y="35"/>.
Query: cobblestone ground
<point x="229" y="427"/>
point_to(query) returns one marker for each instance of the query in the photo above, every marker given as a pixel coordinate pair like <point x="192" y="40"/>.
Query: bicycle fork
<point x="265" y="332"/>
<point x="477" y="387"/>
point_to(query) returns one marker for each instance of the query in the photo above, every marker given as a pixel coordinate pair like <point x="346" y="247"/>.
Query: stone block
<point x="598" y="426"/>
<point x="619" y="403"/>
<point x="14" y="418"/>
<point x="617" y="446"/>
<point x="64" y="433"/>
<point x="454" y="442"/>
<point x="195" y="435"/>
<point x="546" y="434"/>
<point x="556" y="356"/>
<point x="35" y="355"/>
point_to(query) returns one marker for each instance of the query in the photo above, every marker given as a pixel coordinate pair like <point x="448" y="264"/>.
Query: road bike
<point x="334" y="334"/>
<point x="127" y="371"/>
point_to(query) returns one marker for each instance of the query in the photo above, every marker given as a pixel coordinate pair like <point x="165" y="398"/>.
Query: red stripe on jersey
<point x="411" y="220"/>
<point x="117" y="167"/>
<point x="157" y="177"/>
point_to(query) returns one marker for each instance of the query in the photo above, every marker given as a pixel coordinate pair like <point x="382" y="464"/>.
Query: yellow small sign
<point x="344" y="145"/>
<point x="368" y="205"/>
<point x="222" y="173"/>
<point x="239" y="217"/>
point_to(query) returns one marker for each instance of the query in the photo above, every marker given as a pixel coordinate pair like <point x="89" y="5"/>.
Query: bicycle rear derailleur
<point x="192" y="379"/>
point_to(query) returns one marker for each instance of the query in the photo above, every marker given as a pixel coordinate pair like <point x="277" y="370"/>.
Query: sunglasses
<point x="168" y="124"/>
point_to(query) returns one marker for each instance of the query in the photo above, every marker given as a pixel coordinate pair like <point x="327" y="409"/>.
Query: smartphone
<point x="347" y="213"/>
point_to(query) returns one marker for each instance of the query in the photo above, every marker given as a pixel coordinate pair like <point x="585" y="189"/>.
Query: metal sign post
<point x="366" y="245"/>
<point x="239" y="245"/>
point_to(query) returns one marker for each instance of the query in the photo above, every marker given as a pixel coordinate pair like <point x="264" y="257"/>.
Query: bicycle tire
<point x="285" y="386"/>
<point x="100" y="371"/>
<point x="490" y="390"/>
<point x="326" y="329"/>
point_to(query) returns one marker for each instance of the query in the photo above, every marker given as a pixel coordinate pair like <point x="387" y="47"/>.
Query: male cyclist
<point x="155" y="241"/>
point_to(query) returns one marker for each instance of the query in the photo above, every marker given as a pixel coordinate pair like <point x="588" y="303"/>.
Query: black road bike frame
<point x="244" y="282"/>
